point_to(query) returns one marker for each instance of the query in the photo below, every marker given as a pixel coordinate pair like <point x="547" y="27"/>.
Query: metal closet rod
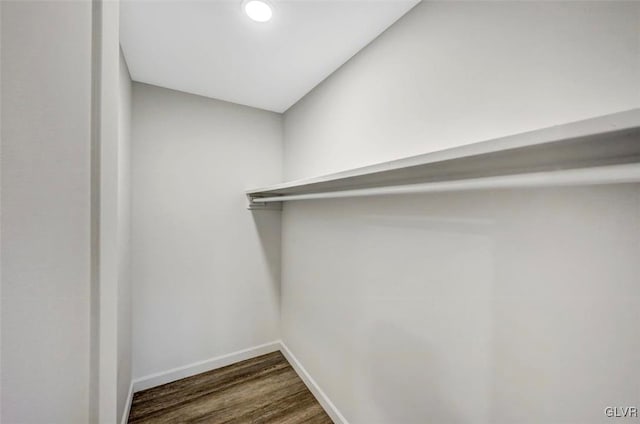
<point x="612" y="174"/>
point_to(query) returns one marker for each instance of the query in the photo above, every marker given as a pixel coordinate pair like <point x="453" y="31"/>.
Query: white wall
<point x="487" y="307"/>
<point x="46" y="210"/>
<point x="124" y="239"/>
<point x="491" y="307"/>
<point x="205" y="270"/>
<point x="454" y="73"/>
<point x="113" y="222"/>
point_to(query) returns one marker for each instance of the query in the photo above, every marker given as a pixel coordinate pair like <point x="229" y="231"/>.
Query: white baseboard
<point x="127" y="406"/>
<point x="174" y="374"/>
<point x="313" y="387"/>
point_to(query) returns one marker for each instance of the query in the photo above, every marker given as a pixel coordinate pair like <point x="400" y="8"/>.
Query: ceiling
<point x="213" y="49"/>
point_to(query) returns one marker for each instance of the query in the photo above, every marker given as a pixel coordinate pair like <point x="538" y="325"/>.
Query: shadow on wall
<point x="437" y="224"/>
<point x="391" y="345"/>
<point x="268" y="225"/>
<point x="425" y="302"/>
<point x="529" y="326"/>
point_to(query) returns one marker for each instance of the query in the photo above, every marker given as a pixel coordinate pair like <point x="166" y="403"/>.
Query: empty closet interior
<point x="395" y="211"/>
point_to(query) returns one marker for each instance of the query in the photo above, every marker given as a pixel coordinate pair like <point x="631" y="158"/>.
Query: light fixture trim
<point x="260" y="11"/>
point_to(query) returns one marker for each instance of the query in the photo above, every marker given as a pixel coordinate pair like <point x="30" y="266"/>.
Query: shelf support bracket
<point x="262" y="206"/>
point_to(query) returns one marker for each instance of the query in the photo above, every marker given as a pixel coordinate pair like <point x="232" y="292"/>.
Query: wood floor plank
<point x="234" y="400"/>
<point x="281" y="410"/>
<point x="265" y="390"/>
<point x="152" y="401"/>
<point x="213" y="379"/>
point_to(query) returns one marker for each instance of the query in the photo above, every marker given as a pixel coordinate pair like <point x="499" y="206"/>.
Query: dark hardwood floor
<point x="261" y="390"/>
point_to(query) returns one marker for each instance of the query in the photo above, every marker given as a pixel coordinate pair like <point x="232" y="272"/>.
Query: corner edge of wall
<point x="322" y="398"/>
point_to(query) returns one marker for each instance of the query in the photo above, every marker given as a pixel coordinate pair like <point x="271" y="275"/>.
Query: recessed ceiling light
<point x="258" y="10"/>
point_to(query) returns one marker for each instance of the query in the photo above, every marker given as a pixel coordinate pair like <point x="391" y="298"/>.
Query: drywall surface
<point x="46" y="209"/>
<point x="206" y="271"/>
<point x="484" y="307"/>
<point x="453" y="73"/>
<point x="111" y="216"/>
<point x="124" y="239"/>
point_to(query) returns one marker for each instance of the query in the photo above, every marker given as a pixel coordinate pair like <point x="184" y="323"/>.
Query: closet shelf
<point x="600" y="150"/>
